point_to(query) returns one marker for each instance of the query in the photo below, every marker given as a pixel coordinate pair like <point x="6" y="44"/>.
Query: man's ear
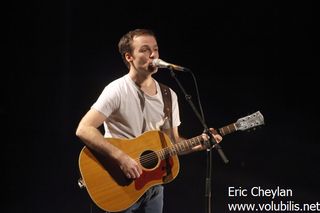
<point x="128" y="57"/>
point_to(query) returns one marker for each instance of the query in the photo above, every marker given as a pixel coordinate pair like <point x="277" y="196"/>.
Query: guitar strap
<point x="167" y="106"/>
<point x="167" y="102"/>
<point x="167" y="109"/>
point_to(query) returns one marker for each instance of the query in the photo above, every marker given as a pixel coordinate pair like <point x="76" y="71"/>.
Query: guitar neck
<point x="226" y="129"/>
<point x="180" y="147"/>
<point x="188" y="144"/>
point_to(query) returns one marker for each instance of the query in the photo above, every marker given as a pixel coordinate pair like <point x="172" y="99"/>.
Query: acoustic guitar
<point x="109" y="188"/>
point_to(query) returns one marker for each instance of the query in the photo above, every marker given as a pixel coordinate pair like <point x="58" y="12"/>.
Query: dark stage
<point x="246" y="57"/>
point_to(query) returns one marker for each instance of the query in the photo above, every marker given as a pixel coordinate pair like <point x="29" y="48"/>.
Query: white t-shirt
<point x="130" y="112"/>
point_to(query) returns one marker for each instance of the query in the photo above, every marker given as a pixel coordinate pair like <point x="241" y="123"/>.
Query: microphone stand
<point x="212" y="143"/>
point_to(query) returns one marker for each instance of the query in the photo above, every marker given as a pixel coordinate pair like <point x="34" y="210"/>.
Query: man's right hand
<point x="130" y="167"/>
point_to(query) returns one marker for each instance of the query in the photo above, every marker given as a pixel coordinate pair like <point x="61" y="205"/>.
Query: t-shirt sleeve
<point x="108" y="101"/>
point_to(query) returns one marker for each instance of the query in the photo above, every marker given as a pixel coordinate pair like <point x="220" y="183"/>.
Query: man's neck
<point x="144" y="82"/>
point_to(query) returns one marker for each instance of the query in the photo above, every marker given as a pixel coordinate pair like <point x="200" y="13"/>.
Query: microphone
<point x="162" y="64"/>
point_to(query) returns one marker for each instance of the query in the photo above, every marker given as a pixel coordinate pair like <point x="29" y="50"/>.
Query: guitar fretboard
<point x="227" y="129"/>
<point x="180" y="147"/>
<point x="188" y="144"/>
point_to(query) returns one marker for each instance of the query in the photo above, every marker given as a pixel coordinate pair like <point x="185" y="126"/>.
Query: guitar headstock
<point x="250" y="121"/>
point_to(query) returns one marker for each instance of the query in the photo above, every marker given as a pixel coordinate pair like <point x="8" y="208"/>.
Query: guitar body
<point x="112" y="191"/>
<point x="107" y="185"/>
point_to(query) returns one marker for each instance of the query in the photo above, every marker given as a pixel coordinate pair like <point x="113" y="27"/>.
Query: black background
<point x="246" y="56"/>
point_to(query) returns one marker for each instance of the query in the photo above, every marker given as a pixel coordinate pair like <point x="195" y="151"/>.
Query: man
<point x="130" y="106"/>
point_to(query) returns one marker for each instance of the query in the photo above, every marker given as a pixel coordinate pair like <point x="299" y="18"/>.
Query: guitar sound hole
<point x="149" y="159"/>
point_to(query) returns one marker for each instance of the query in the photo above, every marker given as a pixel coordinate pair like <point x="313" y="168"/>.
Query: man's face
<point x="145" y="49"/>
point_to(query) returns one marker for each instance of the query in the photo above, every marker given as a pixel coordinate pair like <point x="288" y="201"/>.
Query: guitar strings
<point x="162" y="154"/>
<point x="150" y="156"/>
<point x="168" y="151"/>
<point x="176" y="148"/>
